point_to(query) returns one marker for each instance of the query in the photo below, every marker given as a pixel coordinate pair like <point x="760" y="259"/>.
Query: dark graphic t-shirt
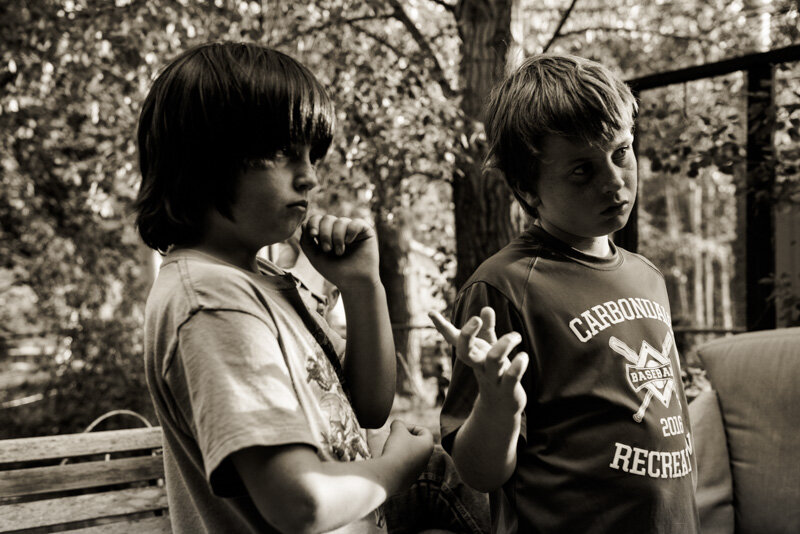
<point x="605" y="445"/>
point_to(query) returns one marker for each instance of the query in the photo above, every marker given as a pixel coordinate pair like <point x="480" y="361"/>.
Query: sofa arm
<point x="756" y="376"/>
<point x="714" y="483"/>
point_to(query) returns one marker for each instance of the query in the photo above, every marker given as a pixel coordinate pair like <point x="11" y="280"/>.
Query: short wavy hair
<point x="211" y="111"/>
<point x="551" y="94"/>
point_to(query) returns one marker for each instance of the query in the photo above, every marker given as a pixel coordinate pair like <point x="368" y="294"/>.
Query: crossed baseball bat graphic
<point x="621" y="348"/>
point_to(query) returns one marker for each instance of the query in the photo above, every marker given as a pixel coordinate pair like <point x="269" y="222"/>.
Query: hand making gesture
<point x="477" y="346"/>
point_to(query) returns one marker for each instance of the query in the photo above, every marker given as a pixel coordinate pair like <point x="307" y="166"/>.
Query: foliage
<point x="73" y="74"/>
<point x="691" y="136"/>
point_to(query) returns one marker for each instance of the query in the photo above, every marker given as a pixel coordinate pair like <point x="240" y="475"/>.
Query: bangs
<point x="213" y="109"/>
<point x="278" y="104"/>
<point x="549" y="94"/>
<point x="583" y="101"/>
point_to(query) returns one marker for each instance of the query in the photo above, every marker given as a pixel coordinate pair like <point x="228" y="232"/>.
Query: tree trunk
<point x="726" y="308"/>
<point x="710" y="240"/>
<point x="679" y="268"/>
<point x="697" y="253"/>
<point x="482" y="201"/>
<point x="393" y="246"/>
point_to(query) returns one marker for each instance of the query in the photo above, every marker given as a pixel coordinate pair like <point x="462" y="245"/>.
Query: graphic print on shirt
<point x="648" y="369"/>
<point x="342" y="437"/>
<point x="651" y="370"/>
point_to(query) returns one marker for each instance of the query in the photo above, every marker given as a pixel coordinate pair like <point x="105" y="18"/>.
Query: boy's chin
<point x="618" y="223"/>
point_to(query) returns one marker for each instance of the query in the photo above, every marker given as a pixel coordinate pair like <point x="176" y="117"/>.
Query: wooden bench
<point x="99" y="482"/>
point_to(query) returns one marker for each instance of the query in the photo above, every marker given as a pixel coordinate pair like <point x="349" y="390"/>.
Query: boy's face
<point x="271" y="201"/>
<point x="583" y="192"/>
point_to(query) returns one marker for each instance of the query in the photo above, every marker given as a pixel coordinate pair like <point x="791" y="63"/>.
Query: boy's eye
<point x="582" y="170"/>
<point x="621" y="152"/>
<point x="282" y="154"/>
<point x="259" y="164"/>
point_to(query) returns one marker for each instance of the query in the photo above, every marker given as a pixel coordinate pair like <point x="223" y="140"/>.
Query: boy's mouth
<point x="301" y="204"/>
<point x="615" y="208"/>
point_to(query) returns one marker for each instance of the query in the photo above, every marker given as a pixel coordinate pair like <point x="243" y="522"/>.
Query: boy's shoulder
<point x="190" y="280"/>
<point x="508" y="270"/>
<point x="518" y="258"/>
<point x="518" y="265"/>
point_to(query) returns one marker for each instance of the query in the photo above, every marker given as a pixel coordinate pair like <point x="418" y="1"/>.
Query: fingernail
<point x="473" y="323"/>
<point x="339" y="250"/>
<point x="326" y="247"/>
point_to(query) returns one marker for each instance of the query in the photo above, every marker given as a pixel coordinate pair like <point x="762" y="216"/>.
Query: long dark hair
<point x="210" y="111"/>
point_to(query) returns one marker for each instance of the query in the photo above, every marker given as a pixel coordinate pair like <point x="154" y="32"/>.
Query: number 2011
<point x="672" y="426"/>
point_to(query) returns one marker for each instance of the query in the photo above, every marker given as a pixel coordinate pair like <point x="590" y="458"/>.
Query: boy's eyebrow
<point x="618" y="142"/>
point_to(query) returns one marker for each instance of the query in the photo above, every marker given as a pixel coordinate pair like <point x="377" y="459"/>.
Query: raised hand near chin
<point x="343" y="250"/>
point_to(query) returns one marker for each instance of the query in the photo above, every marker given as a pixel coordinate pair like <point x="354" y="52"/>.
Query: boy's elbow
<point x="477" y="479"/>
<point x="373" y="418"/>
<point x="371" y="413"/>
<point x="298" y="514"/>
<point x="478" y="482"/>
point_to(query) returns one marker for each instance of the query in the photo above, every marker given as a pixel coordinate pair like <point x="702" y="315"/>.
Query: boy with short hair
<point x="585" y="429"/>
<point x="263" y="425"/>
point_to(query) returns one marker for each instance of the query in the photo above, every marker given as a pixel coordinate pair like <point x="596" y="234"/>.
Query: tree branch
<point x="377" y="38"/>
<point x="327" y="24"/>
<point x="556" y="33"/>
<point x="449" y="7"/>
<point x="628" y="30"/>
<point x="437" y="71"/>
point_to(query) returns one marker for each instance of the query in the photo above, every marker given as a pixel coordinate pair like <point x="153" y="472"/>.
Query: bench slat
<point x="80" y="508"/>
<point x="151" y="525"/>
<point x="39" y="480"/>
<point x="67" y="445"/>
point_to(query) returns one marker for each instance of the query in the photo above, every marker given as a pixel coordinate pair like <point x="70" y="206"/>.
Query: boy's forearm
<point x="369" y="367"/>
<point x="347" y="491"/>
<point x="298" y="493"/>
<point x="485" y="447"/>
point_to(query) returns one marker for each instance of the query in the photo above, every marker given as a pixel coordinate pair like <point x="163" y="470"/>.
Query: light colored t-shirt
<point x="233" y="360"/>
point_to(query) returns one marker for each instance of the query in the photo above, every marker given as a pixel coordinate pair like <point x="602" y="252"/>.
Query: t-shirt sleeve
<point x="233" y="386"/>
<point x="463" y="388"/>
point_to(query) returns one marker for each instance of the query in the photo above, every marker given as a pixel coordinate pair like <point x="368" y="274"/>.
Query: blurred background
<point x="718" y="147"/>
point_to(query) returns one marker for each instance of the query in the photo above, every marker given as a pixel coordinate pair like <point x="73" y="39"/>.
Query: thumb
<point x="398" y="426"/>
<point x="487" y="332"/>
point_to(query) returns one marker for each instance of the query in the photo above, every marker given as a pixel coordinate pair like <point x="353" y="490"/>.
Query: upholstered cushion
<point x="757" y="378"/>
<point x="714" y="485"/>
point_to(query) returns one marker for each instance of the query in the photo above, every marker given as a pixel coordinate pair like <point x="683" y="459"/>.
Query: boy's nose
<point x="614" y="179"/>
<point x="306" y="180"/>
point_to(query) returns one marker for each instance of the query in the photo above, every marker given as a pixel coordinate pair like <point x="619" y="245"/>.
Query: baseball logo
<point x="648" y="369"/>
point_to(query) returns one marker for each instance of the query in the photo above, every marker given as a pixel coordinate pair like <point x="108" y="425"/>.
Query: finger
<point x="338" y="234"/>
<point x="499" y="353"/>
<point x="489" y="320"/>
<point x="307" y="243"/>
<point x="444" y="327"/>
<point x="421" y="431"/>
<point x="357" y="230"/>
<point x="325" y="231"/>
<point x="516" y="370"/>
<point x="465" y="341"/>
<point x="312" y="225"/>
<point x="415" y="430"/>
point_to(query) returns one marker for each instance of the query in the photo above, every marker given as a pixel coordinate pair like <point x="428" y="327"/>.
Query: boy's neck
<point x="236" y="257"/>
<point x="591" y="246"/>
